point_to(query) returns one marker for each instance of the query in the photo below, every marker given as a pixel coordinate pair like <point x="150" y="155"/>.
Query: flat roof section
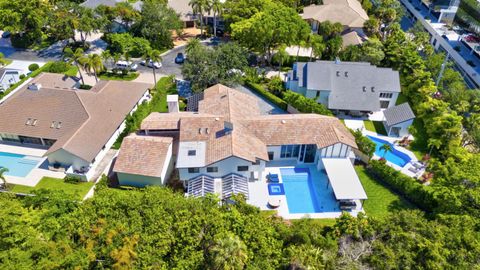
<point x="344" y="180"/>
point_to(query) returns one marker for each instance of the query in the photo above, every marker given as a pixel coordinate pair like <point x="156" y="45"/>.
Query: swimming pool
<point x="396" y="157"/>
<point x="18" y="165"/>
<point x="307" y="191"/>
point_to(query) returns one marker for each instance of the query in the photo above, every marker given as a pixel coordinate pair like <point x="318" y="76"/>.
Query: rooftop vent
<point x="284" y="121"/>
<point x="59" y="125"/>
<point x="34" y="122"/>
<point x="338" y="73"/>
<point x="373" y="89"/>
<point x="34" y="87"/>
<point x="364" y="89"/>
<point x="53" y="124"/>
<point x="346" y="73"/>
<point x="28" y="122"/>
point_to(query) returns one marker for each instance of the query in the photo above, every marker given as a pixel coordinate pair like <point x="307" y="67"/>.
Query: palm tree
<point x="93" y="63"/>
<point x="76" y="58"/>
<point x="199" y="7"/>
<point x="107" y="56"/>
<point x="154" y="56"/>
<point x="229" y="253"/>
<point x="192" y="45"/>
<point x="281" y="56"/>
<point x="2" y="177"/>
<point x="386" y="148"/>
<point x="217" y="8"/>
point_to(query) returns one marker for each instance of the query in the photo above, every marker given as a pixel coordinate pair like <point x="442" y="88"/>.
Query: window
<point x="212" y="169"/>
<point x="192" y="152"/>
<point x="193" y="170"/>
<point x="289" y="151"/>
<point x="384" y="104"/>
<point x="242" y="168"/>
<point x="317" y="94"/>
<point x="386" y="95"/>
<point x="270" y="155"/>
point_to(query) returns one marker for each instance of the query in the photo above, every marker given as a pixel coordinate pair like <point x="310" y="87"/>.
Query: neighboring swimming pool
<point x="307" y="191"/>
<point x="396" y="157"/>
<point x="18" y="165"/>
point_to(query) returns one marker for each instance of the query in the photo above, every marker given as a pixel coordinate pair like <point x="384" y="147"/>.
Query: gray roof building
<point x="398" y="114"/>
<point x="352" y="85"/>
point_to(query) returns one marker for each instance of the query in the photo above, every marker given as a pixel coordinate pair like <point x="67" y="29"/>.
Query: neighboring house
<point x="349" y="13"/>
<point x="76" y="126"/>
<point x="228" y="139"/>
<point x="144" y="161"/>
<point x="184" y="11"/>
<point x="354" y="88"/>
<point x="8" y="77"/>
<point x="398" y="119"/>
<point x="93" y="4"/>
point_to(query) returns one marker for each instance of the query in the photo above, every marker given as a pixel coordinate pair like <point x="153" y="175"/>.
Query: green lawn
<point x="375" y="126"/>
<point x="401" y="99"/>
<point x="72" y="71"/>
<point x="74" y="191"/>
<point x="381" y="201"/>
<point x="118" y="77"/>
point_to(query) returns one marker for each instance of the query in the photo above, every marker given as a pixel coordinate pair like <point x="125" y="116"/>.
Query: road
<point x="168" y="64"/>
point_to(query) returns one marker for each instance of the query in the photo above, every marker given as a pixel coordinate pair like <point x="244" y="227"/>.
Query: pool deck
<point x="35" y="174"/>
<point x="405" y="169"/>
<point x="258" y="195"/>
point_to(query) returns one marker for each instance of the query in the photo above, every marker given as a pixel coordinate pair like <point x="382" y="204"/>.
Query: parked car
<point x="151" y="64"/>
<point x="126" y="65"/>
<point x="180" y="59"/>
<point x="6" y="34"/>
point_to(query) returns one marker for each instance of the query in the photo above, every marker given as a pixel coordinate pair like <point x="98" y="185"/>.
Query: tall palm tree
<point x="154" y="56"/>
<point x="76" y="58"/>
<point x="217" y="8"/>
<point x="386" y="148"/>
<point x="199" y="7"/>
<point x="93" y="64"/>
<point x="229" y="253"/>
<point x="107" y="56"/>
<point x="2" y="177"/>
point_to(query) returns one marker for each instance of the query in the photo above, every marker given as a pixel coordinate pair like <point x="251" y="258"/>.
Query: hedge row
<point x="271" y="97"/>
<point x="418" y="194"/>
<point x="304" y="104"/>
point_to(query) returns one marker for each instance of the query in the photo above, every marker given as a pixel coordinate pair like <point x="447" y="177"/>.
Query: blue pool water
<point x="17" y="165"/>
<point x="396" y="157"/>
<point x="307" y="191"/>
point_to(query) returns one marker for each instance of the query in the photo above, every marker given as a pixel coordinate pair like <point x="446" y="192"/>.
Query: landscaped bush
<point x="22" y="42"/>
<point x="271" y="97"/>
<point x="275" y="85"/>
<point x="22" y="76"/>
<point x="418" y="194"/>
<point x="365" y="145"/>
<point x="304" y="104"/>
<point x="85" y="87"/>
<point x="126" y="43"/>
<point x="71" y="180"/>
<point x="33" y="67"/>
<point x="58" y="67"/>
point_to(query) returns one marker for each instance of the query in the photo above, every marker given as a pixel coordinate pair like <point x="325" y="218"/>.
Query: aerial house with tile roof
<point x="227" y="145"/>
<point x="76" y="127"/>
<point x="354" y="88"/>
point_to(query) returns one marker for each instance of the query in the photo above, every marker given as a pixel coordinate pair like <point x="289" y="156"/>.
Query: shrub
<point x="271" y="97"/>
<point x="24" y="41"/>
<point x="413" y="191"/>
<point x="22" y="76"/>
<point x="304" y="104"/>
<point x="71" y="180"/>
<point x="33" y="67"/>
<point x="364" y="144"/>
<point x="58" y="67"/>
<point x="275" y="85"/>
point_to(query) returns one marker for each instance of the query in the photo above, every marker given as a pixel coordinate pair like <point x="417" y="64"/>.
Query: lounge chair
<point x="413" y="169"/>
<point x="272" y="177"/>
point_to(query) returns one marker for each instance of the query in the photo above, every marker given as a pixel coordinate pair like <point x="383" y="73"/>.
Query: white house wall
<point x="338" y="150"/>
<point x="225" y="167"/>
<point x="66" y="159"/>
<point x="133" y="180"/>
<point x="167" y="165"/>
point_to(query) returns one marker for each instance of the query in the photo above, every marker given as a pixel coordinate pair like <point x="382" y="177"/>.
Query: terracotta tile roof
<point x="284" y="129"/>
<point x="143" y="155"/>
<point x="252" y="132"/>
<point x="347" y="12"/>
<point x="86" y="119"/>
<point x="222" y="100"/>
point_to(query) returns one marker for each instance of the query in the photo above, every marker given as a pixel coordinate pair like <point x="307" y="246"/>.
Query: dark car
<point x="6" y="34"/>
<point x="180" y="59"/>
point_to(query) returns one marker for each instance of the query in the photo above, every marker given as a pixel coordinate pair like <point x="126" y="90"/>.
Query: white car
<point x="126" y="65"/>
<point x="152" y="64"/>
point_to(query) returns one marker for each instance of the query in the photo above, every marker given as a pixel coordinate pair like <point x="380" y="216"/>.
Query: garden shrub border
<point x="269" y="96"/>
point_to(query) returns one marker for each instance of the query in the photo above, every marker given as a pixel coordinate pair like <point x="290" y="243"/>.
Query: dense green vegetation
<point x="73" y="191"/>
<point x="304" y="104"/>
<point x="375" y="126"/>
<point x="156" y="227"/>
<point x="266" y="94"/>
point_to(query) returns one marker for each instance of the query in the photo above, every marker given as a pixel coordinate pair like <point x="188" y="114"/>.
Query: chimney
<point x="34" y="87"/>
<point x="172" y="101"/>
